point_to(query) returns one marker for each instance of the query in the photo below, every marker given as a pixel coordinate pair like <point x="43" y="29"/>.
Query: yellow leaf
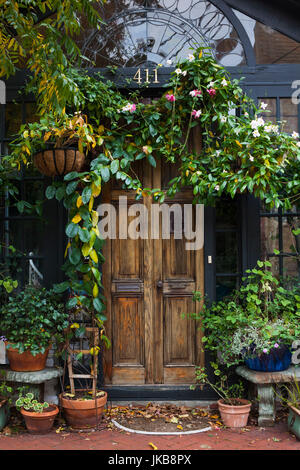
<point x="94" y="351"/>
<point x="86" y="248"/>
<point x="96" y="190"/>
<point x="94" y="256"/>
<point x="239" y="144"/>
<point x="95" y="218"/>
<point x="74" y="325"/>
<point x="79" y="201"/>
<point x="153" y="446"/>
<point x="179" y="426"/>
<point x="200" y="55"/>
<point x="46" y="136"/>
<point x="67" y="247"/>
<point x="76" y="219"/>
<point x="91" y="203"/>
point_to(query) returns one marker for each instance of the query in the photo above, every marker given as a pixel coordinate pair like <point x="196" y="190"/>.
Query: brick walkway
<point x="253" y="438"/>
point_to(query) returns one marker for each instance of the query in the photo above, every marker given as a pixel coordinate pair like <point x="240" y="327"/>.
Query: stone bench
<point x="265" y="382"/>
<point x="36" y="380"/>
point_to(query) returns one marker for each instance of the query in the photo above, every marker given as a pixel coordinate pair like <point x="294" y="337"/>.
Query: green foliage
<point x="289" y="394"/>
<point x="29" y="403"/>
<point x="262" y="312"/>
<point x="228" y="392"/>
<point x="31" y="319"/>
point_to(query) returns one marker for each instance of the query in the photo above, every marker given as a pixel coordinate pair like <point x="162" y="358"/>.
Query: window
<point x="23" y="231"/>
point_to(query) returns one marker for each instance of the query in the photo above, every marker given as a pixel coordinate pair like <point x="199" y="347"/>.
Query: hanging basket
<point x="59" y="161"/>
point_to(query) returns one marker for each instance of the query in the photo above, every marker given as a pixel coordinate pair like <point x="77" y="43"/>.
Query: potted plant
<point x="5" y="400"/>
<point x="58" y="145"/>
<point x="31" y="320"/>
<point x="256" y="324"/>
<point x="234" y="409"/>
<point x="39" y="417"/>
<point x="289" y="396"/>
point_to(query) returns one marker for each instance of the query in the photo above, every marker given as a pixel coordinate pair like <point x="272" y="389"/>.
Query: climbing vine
<point x="240" y="152"/>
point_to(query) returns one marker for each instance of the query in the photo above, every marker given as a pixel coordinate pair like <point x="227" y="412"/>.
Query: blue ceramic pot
<point x="4" y="414"/>
<point x="276" y="360"/>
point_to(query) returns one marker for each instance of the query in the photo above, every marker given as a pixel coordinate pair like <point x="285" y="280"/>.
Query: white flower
<point x="251" y="159"/>
<point x="275" y="128"/>
<point x="178" y="71"/>
<point x="223" y="119"/>
<point x="257" y="123"/>
<point x="256" y="133"/>
<point x="211" y="85"/>
<point x="269" y="128"/>
<point x="298" y="144"/>
<point x="224" y="82"/>
<point x="246" y="114"/>
<point x="191" y="57"/>
<point x="295" y="135"/>
<point x="263" y="105"/>
<point x="169" y="62"/>
<point x="184" y="73"/>
<point x="217" y="187"/>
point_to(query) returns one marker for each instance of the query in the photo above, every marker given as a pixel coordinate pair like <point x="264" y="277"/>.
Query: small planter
<point x="40" y="423"/>
<point x="276" y="360"/>
<point x="294" y="421"/>
<point x="4" y="413"/>
<point x="83" y="414"/>
<point x="235" y="416"/>
<point x="25" y="362"/>
<point x="59" y="161"/>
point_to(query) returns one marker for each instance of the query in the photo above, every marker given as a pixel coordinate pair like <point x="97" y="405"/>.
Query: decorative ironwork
<point x="155" y="32"/>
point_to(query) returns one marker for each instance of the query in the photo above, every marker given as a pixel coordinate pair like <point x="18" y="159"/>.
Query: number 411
<point x="139" y="78"/>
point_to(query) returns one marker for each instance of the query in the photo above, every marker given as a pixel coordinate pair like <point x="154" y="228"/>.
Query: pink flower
<point x="129" y="107"/>
<point x="276" y="345"/>
<point x="195" y="93"/>
<point x="132" y="108"/>
<point x="196" y="114"/>
<point x="212" y="91"/>
<point x="265" y="351"/>
<point x="170" y="97"/>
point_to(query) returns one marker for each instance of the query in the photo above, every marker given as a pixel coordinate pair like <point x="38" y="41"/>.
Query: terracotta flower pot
<point x="40" y="423"/>
<point x="83" y="414"/>
<point x="59" y="161"/>
<point x="235" y="416"/>
<point x="25" y="362"/>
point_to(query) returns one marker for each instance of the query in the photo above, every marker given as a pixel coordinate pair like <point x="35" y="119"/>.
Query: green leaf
<point x="98" y="305"/>
<point x="105" y="174"/>
<point x="86" y="194"/>
<point x="151" y="160"/>
<point x="114" y="166"/>
<point x="50" y="192"/>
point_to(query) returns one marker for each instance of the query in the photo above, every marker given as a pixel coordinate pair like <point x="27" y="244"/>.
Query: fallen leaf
<point x="179" y="426"/>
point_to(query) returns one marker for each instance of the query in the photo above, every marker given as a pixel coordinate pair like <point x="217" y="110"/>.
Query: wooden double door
<point x="149" y="284"/>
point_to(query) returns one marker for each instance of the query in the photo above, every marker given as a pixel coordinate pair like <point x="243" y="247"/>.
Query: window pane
<point x="225" y="285"/>
<point x="269" y="229"/>
<point x="291" y="267"/>
<point x="226" y="214"/>
<point x="13" y="118"/>
<point x="289" y="113"/>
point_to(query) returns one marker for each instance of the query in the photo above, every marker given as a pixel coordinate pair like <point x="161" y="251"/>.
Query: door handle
<point x="159" y="284"/>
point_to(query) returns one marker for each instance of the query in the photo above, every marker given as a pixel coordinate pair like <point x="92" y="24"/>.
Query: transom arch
<point x="153" y="32"/>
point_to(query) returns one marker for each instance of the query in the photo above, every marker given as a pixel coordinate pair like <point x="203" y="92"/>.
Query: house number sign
<point x="146" y="76"/>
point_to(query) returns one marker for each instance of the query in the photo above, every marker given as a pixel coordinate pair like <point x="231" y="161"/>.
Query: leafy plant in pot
<point x="58" y="145"/>
<point x="256" y="324"/>
<point x="31" y="320"/>
<point x="83" y="407"/>
<point x="234" y="409"/>
<point x="39" y="417"/>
